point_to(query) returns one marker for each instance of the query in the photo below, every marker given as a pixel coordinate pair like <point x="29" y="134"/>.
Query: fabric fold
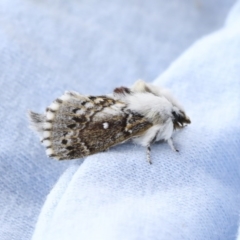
<point x="48" y="47"/>
<point x="190" y="195"/>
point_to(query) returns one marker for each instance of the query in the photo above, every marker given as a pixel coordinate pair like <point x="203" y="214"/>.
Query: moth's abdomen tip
<point x="36" y="121"/>
<point x="34" y="117"/>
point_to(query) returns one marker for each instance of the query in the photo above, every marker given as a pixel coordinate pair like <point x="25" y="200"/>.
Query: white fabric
<point x="193" y="194"/>
<point x="92" y="46"/>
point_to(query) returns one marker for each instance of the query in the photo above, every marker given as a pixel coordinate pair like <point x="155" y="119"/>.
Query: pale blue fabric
<point x="48" y="47"/>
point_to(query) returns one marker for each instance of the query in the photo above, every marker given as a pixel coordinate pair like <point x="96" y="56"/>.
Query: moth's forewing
<point x="82" y="126"/>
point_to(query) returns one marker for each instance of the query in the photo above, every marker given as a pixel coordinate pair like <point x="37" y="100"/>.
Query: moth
<point x="76" y="126"/>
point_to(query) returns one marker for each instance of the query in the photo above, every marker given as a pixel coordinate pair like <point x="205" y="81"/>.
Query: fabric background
<point x="48" y="47"/>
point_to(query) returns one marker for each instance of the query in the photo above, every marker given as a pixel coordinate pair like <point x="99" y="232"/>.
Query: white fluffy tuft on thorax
<point x="156" y="108"/>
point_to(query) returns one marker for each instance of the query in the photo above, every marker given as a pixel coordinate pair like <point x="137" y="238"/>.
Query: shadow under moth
<point x="76" y="126"/>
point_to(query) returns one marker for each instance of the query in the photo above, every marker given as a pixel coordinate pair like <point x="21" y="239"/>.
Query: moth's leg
<point x="170" y="143"/>
<point x="149" y="154"/>
<point x="149" y="148"/>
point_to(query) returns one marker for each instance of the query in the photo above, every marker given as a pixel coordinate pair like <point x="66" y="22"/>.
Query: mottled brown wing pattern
<point x="82" y="126"/>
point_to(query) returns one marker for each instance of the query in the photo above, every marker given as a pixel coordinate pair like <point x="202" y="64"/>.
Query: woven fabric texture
<point x="91" y="47"/>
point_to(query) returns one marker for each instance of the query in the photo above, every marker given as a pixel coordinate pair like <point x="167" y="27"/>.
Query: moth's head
<point x="179" y="118"/>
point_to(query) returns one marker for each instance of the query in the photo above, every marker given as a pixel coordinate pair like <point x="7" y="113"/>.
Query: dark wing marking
<point x="82" y="126"/>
